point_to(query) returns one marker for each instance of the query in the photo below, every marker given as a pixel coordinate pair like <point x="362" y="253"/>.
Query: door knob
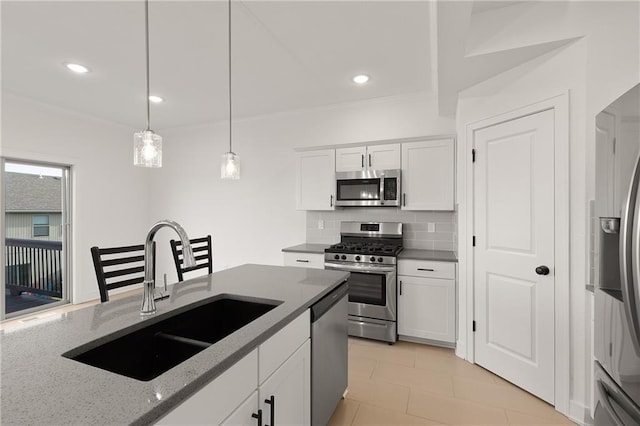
<point x="542" y="270"/>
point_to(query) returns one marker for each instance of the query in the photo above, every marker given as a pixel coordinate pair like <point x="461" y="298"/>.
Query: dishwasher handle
<point x="327" y="302"/>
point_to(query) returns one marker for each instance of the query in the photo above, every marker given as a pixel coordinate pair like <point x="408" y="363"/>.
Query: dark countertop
<point x="39" y="386"/>
<point x="307" y="248"/>
<point x="437" y="255"/>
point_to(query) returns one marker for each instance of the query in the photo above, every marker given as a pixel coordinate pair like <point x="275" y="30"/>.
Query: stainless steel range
<point x="369" y="251"/>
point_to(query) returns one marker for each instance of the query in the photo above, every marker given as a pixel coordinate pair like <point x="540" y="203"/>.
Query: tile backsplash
<point x="415" y="228"/>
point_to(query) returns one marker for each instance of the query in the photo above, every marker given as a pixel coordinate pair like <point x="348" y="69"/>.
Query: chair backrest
<point x="119" y="267"/>
<point x="201" y="250"/>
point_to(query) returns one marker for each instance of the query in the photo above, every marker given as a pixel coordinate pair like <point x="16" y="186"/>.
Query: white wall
<point x="595" y="70"/>
<point x="252" y="219"/>
<point x="110" y="199"/>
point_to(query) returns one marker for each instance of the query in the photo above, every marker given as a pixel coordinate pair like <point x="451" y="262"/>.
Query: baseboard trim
<point x="461" y="349"/>
<point x="579" y="414"/>
<point x="427" y="341"/>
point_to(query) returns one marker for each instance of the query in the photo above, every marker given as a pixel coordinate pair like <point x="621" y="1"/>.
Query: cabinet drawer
<point x="281" y="345"/>
<point x="304" y="260"/>
<point x="213" y="403"/>
<point x="427" y="269"/>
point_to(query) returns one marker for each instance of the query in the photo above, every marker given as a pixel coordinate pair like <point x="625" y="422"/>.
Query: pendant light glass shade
<point x="230" y="168"/>
<point x="147" y="149"/>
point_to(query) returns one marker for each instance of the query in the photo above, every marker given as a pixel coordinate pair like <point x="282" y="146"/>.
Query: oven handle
<point x="368" y="269"/>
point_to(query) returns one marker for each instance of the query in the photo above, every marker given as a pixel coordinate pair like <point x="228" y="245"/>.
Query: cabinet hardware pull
<point x="369" y="160"/>
<point x="400" y="288"/>
<point x="331" y="201"/>
<point x="302" y="260"/>
<point x="272" y="402"/>
<point x="362" y="160"/>
<point x="258" y="416"/>
<point x="426" y="269"/>
<point x="404" y="199"/>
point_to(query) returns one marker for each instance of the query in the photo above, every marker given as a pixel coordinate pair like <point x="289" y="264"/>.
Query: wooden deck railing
<point x="34" y="266"/>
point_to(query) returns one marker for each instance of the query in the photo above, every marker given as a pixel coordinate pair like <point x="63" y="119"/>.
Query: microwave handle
<point x="404" y="199"/>
<point x="331" y="201"/>
<point x="369" y="160"/>
<point x="362" y="160"/>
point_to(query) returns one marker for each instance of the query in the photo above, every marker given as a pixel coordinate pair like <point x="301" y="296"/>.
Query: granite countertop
<point x="437" y="255"/>
<point x="307" y="248"/>
<point x="40" y="386"/>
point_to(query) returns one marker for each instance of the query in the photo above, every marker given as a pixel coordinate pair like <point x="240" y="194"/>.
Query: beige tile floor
<point x="412" y="384"/>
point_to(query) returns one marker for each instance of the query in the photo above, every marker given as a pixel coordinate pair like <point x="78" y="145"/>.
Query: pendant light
<point x="230" y="168"/>
<point x="147" y="145"/>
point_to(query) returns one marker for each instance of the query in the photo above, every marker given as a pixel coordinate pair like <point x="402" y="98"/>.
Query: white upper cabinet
<point x="376" y="157"/>
<point x="428" y="175"/>
<point x="315" y="180"/>
<point x="351" y="159"/>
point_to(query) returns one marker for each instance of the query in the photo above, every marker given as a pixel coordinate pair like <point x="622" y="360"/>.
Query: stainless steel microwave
<point x="368" y="188"/>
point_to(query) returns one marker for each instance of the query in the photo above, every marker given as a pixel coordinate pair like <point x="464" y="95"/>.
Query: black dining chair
<point x="201" y="250"/>
<point x="118" y="267"/>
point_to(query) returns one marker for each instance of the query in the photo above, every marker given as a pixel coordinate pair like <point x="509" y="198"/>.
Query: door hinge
<point x="473" y="241"/>
<point x="473" y="326"/>
<point x="473" y="155"/>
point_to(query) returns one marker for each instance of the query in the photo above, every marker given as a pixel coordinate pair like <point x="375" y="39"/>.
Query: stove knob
<point x="380" y="259"/>
<point x="336" y="257"/>
<point x="372" y="259"/>
<point x="343" y="257"/>
<point x="358" y="258"/>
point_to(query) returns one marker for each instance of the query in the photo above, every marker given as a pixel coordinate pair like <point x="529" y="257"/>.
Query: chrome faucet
<point x="148" y="300"/>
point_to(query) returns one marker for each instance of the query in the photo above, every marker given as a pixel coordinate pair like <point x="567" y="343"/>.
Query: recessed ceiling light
<point x="77" y="68"/>
<point x="361" y="78"/>
<point x="155" y="99"/>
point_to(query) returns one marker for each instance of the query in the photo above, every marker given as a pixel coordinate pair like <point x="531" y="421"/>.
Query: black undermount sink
<point x="147" y="353"/>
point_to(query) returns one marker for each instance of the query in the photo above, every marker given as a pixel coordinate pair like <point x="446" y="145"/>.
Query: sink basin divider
<point x="181" y="339"/>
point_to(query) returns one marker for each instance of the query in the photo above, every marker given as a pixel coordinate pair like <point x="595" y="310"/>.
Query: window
<point x="35" y="227"/>
<point x="40" y="225"/>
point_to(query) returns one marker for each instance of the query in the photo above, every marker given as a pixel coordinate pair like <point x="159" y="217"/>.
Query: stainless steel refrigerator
<point x="617" y="260"/>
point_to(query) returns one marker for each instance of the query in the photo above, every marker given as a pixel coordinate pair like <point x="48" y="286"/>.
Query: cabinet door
<point x="428" y="175"/>
<point x="304" y="260"/>
<point x="243" y="416"/>
<point x="286" y="395"/>
<point x="426" y="308"/>
<point x="351" y="159"/>
<point x="213" y="403"/>
<point x="315" y="180"/>
<point x="383" y="157"/>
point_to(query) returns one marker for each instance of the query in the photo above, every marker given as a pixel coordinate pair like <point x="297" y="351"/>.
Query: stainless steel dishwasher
<point x="329" y="357"/>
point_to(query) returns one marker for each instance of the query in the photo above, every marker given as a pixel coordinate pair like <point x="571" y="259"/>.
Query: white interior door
<point x="514" y="233"/>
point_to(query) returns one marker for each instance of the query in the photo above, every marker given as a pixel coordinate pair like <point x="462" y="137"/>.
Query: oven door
<point x="372" y="290"/>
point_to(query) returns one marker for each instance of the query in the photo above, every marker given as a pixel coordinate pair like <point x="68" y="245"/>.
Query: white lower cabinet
<point x="246" y="414"/>
<point x="285" y="397"/>
<point x="217" y="400"/>
<point x="278" y="368"/>
<point x="427" y="306"/>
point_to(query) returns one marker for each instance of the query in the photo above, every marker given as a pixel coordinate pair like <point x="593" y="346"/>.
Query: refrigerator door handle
<point x="629" y="250"/>
<point x="606" y="403"/>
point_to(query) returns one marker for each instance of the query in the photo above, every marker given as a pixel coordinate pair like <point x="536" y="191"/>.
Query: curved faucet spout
<point x="148" y="302"/>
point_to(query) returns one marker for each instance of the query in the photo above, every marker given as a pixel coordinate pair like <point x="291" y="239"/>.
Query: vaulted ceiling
<point x="286" y="54"/>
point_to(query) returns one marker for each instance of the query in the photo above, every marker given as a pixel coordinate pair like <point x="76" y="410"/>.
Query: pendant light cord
<point x="230" y="150"/>
<point x="146" y="25"/>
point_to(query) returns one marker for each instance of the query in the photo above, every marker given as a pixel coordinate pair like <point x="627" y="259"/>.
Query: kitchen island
<point x="40" y="386"/>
